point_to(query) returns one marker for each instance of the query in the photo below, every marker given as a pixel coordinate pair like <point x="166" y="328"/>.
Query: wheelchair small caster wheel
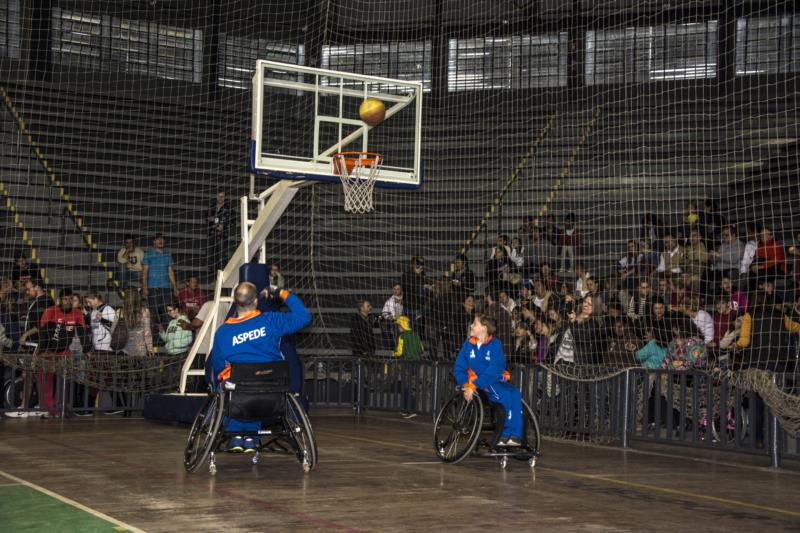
<point x="503" y="462"/>
<point x="212" y="464"/>
<point x="306" y="467"/>
<point x="256" y="457"/>
<point x="532" y="462"/>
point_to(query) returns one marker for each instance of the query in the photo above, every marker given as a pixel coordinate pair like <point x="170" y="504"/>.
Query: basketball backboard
<point x="302" y="116"/>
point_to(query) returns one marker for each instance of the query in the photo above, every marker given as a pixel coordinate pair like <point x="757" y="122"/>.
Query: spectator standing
<point x="415" y="289"/>
<point x="462" y="318"/>
<point x="129" y="263"/>
<point x="569" y="239"/>
<point x="158" y="279"/>
<point x="409" y="345"/>
<point x="177" y="340"/>
<point x="137" y="319"/>
<point x="589" y="340"/>
<point x="392" y="308"/>
<point x="191" y="298"/>
<point x="101" y="321"/>
<point x="38" y="302"/>
<point x="9" y="309"/>
<point x="58" y="325"/>
<point x="24" y="272"/>
<point x="220" y="215"/>
<point x="361" y="334"/>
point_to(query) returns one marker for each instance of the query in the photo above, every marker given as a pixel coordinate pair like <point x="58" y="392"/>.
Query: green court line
<point x="24" y="509"/>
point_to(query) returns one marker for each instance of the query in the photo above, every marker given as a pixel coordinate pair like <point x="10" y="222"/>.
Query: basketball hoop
<point x="357" y="172"/>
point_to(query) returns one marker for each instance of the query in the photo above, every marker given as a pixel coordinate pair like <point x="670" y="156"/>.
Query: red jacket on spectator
<point x="191" y="300"/>
<point x="59" y="327"/>
<point x="770" y="254"/>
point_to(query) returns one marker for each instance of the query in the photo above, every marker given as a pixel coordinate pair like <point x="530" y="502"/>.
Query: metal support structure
<point x="271" y="205"/>
<point x="774" y="450"/>
<point x="626" y="409"/>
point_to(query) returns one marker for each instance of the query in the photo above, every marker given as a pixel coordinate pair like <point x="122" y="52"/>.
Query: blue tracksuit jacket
<point x="256" y="337"/>
<point x="484" y="367"/>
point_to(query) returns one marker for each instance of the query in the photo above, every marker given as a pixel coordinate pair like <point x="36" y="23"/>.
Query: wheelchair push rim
<point x="459" y="422"/>
<point x="302" y="436"/>
<point x="203" y="435"/>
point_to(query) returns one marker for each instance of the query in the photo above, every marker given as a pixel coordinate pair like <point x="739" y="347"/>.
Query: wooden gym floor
<point x="376" y="472"/>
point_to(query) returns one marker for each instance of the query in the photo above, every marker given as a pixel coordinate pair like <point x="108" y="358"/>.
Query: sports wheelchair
<point x="255" y="392"/>
<point x="463" y="428"/>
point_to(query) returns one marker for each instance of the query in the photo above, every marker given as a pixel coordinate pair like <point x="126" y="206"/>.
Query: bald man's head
<point x="245" y="295"/>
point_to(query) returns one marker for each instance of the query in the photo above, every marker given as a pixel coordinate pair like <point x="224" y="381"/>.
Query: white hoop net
<point x="357" y="172"/>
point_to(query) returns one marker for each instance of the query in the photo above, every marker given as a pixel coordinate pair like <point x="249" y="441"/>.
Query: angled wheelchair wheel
<point x="458" y="428"/>
<point x="302" y="436"/>
<point x="203" y="436"/>
<point x="532" y="438"/>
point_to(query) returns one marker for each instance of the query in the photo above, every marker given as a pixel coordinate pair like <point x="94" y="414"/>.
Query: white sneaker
<point x="510" y="442"/>
<point x="16" y="414"/>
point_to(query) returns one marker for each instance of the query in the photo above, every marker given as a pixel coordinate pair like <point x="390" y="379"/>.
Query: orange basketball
<point x="372" y="111"/>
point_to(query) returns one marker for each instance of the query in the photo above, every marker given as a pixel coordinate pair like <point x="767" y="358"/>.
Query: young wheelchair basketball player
<point x="481" y="364"/>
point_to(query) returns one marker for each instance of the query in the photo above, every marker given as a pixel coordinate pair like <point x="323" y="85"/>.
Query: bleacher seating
<point x="141" y="166"/>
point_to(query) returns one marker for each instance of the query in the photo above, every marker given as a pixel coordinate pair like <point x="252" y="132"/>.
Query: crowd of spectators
<point x="690" y="294"/>
<point x="153" y="317"/>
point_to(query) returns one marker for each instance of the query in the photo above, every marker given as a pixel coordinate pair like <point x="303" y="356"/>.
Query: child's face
<point x="476" y="329"/>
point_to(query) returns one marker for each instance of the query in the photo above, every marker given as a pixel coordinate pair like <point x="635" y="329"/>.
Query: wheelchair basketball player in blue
<point x="481" y="365"/>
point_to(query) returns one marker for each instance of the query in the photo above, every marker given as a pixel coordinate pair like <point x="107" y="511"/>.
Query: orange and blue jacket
<point x="256" y="336"/>
<point x="479" y="366"/>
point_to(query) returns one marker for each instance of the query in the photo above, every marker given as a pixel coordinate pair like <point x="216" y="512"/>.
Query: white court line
<point x="73" y="503"/>
<point x="422" y="463"/>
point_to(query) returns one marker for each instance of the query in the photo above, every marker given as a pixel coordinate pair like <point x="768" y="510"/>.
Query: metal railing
<point x="688" y="408"/>
<point x="691" y="408"/>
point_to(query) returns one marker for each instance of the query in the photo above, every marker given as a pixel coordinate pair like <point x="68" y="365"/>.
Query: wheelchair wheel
<point x="203" y="436"/>
<point x="458" y="428"/>
<point x="532" y="438"/>
<point x="299" y="427"/>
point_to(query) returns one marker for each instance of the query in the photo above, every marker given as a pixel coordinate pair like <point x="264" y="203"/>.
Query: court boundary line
<point x="73" y="503"/>
<point x="606" y="479"/>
